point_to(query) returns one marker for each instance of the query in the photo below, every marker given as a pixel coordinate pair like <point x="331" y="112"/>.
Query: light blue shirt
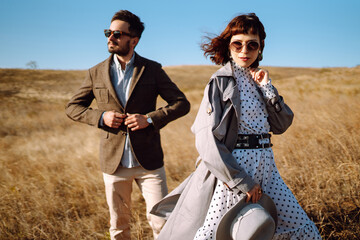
<point x="121" y="79"/>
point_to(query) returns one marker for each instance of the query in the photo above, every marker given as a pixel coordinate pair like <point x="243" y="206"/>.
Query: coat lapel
<point x="107" y="80"/>
<point x="231" y="91"/>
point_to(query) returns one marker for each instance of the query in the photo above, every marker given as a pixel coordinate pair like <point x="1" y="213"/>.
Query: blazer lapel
<point x="138" y="70"/>
<point x="108" y="82"/>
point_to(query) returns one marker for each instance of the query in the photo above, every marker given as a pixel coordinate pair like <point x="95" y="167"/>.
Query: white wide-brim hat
<point x="255" y="221"/>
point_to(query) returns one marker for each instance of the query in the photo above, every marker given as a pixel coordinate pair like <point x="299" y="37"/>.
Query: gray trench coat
<point x="215" y="129"/>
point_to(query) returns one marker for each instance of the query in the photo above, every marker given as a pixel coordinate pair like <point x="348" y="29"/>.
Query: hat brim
<point x="223" y="228"/>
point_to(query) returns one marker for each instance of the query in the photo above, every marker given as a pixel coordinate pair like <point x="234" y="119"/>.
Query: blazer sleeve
<point x="213" y="150"/>
<point x="78" y="108"/>
<point x="177" y="104"/>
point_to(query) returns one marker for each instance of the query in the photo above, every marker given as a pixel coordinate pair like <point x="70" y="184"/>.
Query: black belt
<point x="252" y="141"/>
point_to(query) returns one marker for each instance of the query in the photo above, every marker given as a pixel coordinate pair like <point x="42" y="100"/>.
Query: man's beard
<point x="120" y="51"/>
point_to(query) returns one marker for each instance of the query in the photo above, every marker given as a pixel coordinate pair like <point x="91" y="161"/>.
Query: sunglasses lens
<point x="107" y="33"/>
<point x="117" y="34"/>
<point x="236" y="46"/>
<point x="253" y="46"/>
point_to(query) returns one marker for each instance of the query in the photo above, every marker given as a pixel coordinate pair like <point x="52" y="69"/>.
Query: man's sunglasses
<point x="116" y="34"/>
<point x="237" y="46"/>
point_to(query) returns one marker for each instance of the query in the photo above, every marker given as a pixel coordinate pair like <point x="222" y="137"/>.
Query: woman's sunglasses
<point x="250" y="46"/>
<point x="116" y="34"/>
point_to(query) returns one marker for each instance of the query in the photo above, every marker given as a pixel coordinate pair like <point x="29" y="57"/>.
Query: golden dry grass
<point x="51" y="186"/>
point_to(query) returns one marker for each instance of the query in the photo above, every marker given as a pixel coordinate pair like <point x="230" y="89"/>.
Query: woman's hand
<point x="254" y="194"/>
<point x="260" y="76"/>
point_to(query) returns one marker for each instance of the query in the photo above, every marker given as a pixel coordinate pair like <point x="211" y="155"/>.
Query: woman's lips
<point x="244" y="59"/>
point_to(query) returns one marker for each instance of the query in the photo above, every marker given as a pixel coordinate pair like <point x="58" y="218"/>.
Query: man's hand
<point x="136" y="121"/>
<point x="113" y="119"/>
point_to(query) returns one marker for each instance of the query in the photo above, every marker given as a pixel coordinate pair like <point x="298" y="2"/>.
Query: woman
<point x="239" y="108"/>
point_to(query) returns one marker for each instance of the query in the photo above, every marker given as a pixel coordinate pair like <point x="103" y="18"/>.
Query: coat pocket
<point x="105" y="134"/>
<point x="101" y="95"/>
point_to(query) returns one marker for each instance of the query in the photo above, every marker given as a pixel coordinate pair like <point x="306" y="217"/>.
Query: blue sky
<point x="68" y="34"/>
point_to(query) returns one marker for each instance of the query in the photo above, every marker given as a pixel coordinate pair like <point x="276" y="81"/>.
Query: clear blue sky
<point x="68" y="34"/>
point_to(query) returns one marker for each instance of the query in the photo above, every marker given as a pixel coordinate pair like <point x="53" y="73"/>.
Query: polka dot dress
<point x="293" y="223"/>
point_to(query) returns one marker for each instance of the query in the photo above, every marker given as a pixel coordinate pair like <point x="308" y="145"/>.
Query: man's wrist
<point x="149" y="120"/>
<point x="101" y="120"/>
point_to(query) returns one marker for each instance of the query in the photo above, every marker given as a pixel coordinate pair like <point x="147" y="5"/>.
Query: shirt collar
<point x="117" y="63"/>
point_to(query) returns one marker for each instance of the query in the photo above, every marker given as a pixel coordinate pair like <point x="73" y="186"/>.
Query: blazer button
<point x="209" y="110"/>
<point x="123" y="133"/>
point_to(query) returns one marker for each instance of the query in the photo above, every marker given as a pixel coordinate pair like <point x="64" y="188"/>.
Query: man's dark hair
<point x="136" y="27"/>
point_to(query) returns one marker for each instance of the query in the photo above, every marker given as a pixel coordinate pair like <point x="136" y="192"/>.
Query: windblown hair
<point x="218" y="47"/>
<point x="136" y="27"/>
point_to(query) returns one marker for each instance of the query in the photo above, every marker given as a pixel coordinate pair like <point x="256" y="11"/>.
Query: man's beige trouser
<point x="118" y="188"/>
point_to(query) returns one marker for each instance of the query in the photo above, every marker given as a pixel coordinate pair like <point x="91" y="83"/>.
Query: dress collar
<point x="228" y="70"/>
<point x="240" y="71"/>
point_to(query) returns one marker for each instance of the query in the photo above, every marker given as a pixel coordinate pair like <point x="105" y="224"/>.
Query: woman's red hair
<point x="218" y="47"/>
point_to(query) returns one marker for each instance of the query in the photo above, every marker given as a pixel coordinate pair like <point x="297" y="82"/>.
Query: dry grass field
<point x="51" y="186"/>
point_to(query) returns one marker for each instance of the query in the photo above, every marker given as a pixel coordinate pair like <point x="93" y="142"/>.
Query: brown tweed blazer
<point x="148" y="82"/>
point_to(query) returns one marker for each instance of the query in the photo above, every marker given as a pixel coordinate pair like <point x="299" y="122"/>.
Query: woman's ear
<point x="260" y="56"/>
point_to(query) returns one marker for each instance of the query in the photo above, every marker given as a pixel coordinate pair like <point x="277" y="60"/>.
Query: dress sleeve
<point x="267" y="90"/>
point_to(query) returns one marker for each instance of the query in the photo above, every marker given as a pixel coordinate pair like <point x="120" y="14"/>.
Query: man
<point x="125" y="87"/>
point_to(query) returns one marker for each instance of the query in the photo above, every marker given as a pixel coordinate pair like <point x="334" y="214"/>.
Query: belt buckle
<point x="247" y="144"/>
<point x="244" y="138"/>
<point x="244" y="144"/>
<point x="262" y="142"/>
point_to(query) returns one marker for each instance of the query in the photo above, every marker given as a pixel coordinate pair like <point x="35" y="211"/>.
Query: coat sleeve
<point x="280" y="115"/>
<point x="215" y="114"/>
<point x="177" y="104"/>
<point x="78" y="108"/>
